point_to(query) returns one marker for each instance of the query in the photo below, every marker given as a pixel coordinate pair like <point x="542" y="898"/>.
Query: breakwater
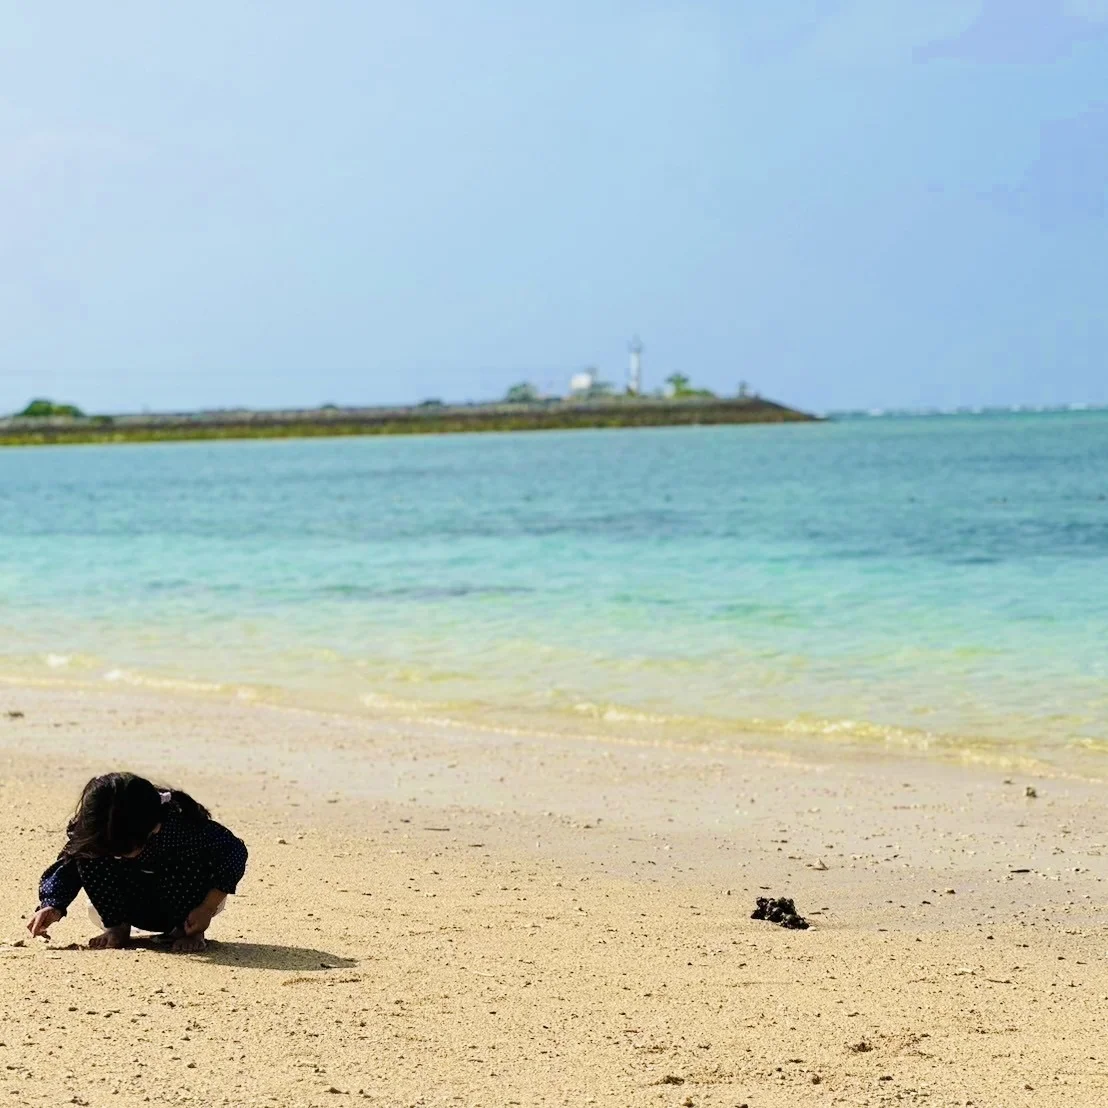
<point x="424" y="419"/>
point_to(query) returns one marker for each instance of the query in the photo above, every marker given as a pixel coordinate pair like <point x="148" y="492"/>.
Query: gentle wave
<point x="169" y="684"/>
<point x="587" y="721"/>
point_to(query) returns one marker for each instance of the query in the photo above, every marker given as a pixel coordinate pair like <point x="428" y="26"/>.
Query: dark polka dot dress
<point x="156" y="890"/>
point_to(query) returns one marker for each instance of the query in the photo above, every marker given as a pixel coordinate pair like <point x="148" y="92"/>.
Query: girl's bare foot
<point x="189" y="944"/>
<point x="111" y="938"/>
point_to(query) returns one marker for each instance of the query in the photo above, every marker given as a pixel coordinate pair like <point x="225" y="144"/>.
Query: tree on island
<point x="43" y="409"/>
<point x="680" y="388"/>
<point x="600" y="390"/>
<point x="523" y="393"/>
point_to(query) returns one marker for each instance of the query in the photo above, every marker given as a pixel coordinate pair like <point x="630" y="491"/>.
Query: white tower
<point x="634" y="369"/>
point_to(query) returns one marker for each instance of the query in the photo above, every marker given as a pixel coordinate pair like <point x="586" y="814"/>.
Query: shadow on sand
<point x="265" y="956"/>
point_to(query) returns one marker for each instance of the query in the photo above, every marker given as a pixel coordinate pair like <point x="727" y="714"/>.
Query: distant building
<point x="634" y="368"/>
<point x="582" y="384"/>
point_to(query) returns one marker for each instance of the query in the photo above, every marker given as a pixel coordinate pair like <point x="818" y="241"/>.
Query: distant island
<point x="523" y="409"/>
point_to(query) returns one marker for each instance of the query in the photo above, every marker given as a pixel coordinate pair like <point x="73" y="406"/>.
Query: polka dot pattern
<point x="157" y="889"/>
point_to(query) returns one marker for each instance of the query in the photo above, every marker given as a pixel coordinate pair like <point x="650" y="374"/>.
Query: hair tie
<point x="166" y="797"/>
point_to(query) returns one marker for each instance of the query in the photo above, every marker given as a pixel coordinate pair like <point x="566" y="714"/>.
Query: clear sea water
<point x="934" y="584"/>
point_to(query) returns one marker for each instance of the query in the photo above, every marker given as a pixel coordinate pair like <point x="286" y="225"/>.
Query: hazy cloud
<point x="876" y="32"/>
<point x="1068" y="181"/>
<point x="1023" y="31"/>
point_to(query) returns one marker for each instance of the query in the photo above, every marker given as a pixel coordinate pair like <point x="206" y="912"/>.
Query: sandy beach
<point x="438" y="917"/>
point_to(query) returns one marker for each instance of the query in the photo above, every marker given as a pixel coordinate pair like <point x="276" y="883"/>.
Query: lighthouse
<point x="634" y="368"/>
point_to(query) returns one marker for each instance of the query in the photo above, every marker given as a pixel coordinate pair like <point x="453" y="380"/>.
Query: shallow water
<point x="938" y="584"/>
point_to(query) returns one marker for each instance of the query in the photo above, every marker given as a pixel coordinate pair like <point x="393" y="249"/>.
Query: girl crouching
<point x="147" y="857"/>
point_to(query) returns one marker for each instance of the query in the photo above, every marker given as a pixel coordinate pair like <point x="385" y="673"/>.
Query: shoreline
<point x="576" y="916"/>
<point x="809" y="738"/>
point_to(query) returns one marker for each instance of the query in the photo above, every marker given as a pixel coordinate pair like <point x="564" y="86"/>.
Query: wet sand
<point x="443" y="917"/>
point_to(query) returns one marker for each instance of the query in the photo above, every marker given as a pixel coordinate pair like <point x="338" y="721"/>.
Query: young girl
<point x="148" y="857"/>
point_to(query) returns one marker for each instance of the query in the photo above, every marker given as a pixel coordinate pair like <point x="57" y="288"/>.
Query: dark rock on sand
<point x="781" y="910"/>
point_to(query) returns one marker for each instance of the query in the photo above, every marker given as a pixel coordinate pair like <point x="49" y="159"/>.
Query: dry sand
<point x="439" y="917"/>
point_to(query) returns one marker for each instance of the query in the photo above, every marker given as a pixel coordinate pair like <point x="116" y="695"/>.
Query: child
<point x="147" y="857"/>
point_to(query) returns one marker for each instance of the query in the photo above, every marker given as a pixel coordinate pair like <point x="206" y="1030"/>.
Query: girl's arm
<point x="227" y="856"/>
<point x="59" y="885"/>
<point x="56" y="891"/>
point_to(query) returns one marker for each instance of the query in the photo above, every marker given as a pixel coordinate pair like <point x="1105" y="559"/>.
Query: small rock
<point x="1031" y="792"/>
<point x="672" y="1079"/>
<point x="781" y="910"/>
<point x="15" y="715"/>
<point x="282" y="842"/>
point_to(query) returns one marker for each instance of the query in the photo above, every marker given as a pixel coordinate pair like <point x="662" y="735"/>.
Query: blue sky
<point x="849" y="203"/>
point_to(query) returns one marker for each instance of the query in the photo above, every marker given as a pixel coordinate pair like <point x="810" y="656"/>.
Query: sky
<point x="847" y="203"/>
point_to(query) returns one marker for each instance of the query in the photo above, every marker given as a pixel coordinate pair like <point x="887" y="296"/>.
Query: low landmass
<point x="44" y="422"/>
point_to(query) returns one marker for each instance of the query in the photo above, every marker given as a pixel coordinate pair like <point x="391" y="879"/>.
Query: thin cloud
<point x="1024" y="32"/>
<point x="1068" y="182"/>
<point x="875" y="33"/>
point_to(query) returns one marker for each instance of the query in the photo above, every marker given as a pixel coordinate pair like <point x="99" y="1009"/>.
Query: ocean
<point x="932" y="585"/>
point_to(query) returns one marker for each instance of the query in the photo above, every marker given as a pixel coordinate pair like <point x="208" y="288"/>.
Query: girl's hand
<point x="41" y="921"/>
<point x="198" y="920"/>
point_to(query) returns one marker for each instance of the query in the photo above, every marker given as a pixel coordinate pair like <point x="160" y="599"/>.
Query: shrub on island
<point x="46" y="409"/>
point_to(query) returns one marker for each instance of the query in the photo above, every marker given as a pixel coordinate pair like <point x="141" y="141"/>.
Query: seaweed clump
<point x="781" y="910"/>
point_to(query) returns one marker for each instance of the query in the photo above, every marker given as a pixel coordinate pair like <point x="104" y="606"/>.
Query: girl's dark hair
<point x="117" y="813"/>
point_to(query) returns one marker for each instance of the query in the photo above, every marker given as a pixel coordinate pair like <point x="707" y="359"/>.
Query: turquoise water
<point x="939" y="584"/>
